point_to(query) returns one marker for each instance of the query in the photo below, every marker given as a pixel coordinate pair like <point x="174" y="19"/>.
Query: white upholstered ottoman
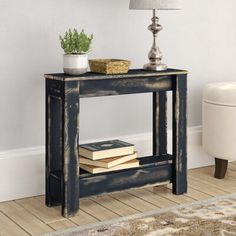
<point x="219" y="124"/>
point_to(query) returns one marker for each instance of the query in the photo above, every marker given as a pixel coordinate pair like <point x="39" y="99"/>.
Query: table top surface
<point x="136" y="73"/>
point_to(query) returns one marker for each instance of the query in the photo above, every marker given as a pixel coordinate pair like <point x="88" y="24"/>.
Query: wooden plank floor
<point x="30" y="216"/>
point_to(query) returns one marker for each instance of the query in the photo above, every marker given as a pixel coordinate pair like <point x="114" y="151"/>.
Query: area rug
<point x="212" y="217"/>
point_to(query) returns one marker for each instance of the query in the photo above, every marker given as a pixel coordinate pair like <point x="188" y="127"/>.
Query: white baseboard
<point x="21" y="173"/>
<point x="22" y="170"/>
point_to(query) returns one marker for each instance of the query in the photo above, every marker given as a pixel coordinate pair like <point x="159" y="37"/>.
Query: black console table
<point x="65" y="181"/>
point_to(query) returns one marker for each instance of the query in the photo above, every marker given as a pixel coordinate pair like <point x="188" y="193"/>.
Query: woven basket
<point x="109" y="66"/>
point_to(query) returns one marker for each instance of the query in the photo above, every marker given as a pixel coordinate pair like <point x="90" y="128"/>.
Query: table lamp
<point x="155" y="55"/>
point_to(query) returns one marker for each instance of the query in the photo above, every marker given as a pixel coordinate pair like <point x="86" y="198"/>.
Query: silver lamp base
<point x="155" y="67"/>
<point x="155" y="55"/>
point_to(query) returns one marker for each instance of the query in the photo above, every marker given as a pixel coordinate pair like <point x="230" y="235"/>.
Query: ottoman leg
<point x="220" y="168"/>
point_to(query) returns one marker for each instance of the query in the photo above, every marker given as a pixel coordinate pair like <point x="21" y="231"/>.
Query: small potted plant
<point x="76" y="46"/>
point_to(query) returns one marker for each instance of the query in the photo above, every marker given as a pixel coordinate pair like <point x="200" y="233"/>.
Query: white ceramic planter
<point x="75" y="64"/>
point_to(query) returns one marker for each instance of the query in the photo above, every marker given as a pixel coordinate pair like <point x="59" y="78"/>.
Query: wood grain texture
<point x="229" y="185"/>
<point x="159" y="123"/>
<point x="24" y="218"/>
<point x="65" y="182"/>
<point x="217" y="186"/>
<point x="232" y="166"/>
<point x="137" y="73"/>
<point x="141" y="200"/>
<point x="83" y="218"/>
<point x="231" y="173"/>
<point x="152" y="198"/>
<point x="98" y="211"/>
<point x="54" y="101"/>
<point x="118" y="207"/>
<point x="63" y="224"/>
<point x="97" y="88"/>
<point x="70" y="139"/>
<point x="208" y="189"/>
<point x="9" y="227"/>
<point x="133" y="201"/>
<point x="167" y="193"/>
<point x="209" y="171"/>
<point x="36" y="207"/>
<point x="179" y="137"/>
<point x="195" y="194"/>
<point x="149" y="172"/>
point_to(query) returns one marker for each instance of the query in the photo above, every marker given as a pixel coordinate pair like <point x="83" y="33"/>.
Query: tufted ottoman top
<point x="220" y="93"/>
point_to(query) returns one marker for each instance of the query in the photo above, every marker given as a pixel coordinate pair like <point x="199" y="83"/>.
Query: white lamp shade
<point x="155" y="4"/>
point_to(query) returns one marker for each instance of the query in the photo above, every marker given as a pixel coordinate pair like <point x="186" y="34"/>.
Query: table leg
<point x="53" y="141"/>
<point x="159" y="123"/>
<point x="70" y="139"/>
<point x="179" y="135"/>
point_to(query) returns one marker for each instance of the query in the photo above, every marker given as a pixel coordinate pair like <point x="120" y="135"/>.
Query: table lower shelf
<point x="152" y="170"/>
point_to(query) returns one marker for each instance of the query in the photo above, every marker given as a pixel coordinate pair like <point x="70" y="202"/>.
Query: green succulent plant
<point x="76" y="43"/>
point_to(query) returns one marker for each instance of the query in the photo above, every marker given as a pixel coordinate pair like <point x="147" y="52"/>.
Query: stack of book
<point x="107" y="156"/>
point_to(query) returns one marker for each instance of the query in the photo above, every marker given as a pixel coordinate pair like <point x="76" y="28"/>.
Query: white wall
<point x="200" y="38"/>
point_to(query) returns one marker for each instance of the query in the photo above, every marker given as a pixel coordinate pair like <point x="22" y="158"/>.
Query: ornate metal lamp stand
<point x="155" y="55"/>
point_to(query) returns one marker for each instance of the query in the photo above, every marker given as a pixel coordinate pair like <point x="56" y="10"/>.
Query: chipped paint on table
<point x="65" y="182"/>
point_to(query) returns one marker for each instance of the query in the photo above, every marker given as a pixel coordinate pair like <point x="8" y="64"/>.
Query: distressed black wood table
<point x="65" y="181"/>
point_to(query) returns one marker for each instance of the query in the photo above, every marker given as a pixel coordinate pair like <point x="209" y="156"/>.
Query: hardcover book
<point x="106" y="149"/>
<point x="108" y="162"/>
<point x="96" y="170"/>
